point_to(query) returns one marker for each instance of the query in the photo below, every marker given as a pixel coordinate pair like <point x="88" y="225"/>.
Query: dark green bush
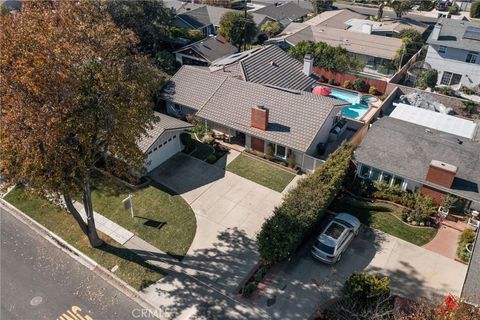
<point x="475" y="9"/>
<point x="347" y="85"/>
<point x="467" y="90"/>
<point x="187" y="141"/>
<point x="360" y="85"/>
<point x="453" y="9"/>
<point x="427" y="79"/>
<point x="426" y="5"/>
<point x="211" y="159"/>
<point x="303" y="207"/>
<point x="470" y="107"/>
<point x="248" y="289"/>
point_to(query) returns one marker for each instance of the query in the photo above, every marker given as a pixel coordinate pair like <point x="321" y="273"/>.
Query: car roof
<point x="332" y="233"/>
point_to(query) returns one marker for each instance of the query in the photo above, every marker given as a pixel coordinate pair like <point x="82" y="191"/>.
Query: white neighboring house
<point x="453" y="50"/>
<point x="163" y="140"/>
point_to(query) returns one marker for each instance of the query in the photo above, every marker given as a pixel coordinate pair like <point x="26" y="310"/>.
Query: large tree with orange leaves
<point x="73" y="89"/>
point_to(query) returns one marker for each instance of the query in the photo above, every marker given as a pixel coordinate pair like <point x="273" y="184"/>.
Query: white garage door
<point x="162" y="151"/>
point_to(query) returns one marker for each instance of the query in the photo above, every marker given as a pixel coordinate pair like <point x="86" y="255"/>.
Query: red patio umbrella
<point x="322" y="90"/>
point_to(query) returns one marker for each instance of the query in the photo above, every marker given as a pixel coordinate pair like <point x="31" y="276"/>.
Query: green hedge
<point x="303" y="207"/>
<point x="475" y="9"/>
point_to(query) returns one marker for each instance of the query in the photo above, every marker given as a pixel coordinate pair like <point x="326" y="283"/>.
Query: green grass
<point x="260" y="172"/>
<point x="384" y="217"/>
<point x="131" y="268"/>
<point x="202" y="150"/>
<point x="165" y="221"/>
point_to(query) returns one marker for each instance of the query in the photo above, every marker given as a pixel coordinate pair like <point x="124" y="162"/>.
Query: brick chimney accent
<point x="441" y="173"/>
<point x="259" y="118"/>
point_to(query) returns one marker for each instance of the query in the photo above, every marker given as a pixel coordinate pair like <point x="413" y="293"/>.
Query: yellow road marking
<point x="74" y="314"/>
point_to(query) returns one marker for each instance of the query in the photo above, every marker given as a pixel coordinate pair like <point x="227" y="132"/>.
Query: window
<point x="442" y="49"/>
<point x="386" y="177"/>
<point x="155" y="149"/>
<point x="375" y="174"/>
<point x="450" y="79"/>
<point x="174" y="137"/>
<point x="169" y="139"/>
<point x="397" y="181"/>
<point x="472" y="57"/>
<point x="280" y="151"/>
<point x="149" y="152"/>
<point x="165" y="143"/>
<point x="364" y="171"/>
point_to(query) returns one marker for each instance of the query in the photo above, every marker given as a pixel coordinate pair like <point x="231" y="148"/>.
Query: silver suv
<point x="334" y="240"/>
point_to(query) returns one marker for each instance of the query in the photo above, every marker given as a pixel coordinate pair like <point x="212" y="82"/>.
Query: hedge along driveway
<point x="303" y="207"/>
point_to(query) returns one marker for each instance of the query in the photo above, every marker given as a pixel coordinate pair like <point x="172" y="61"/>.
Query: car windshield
<point x="335" y="230"/>
<point x="344" y="222"/>
<point x="323" y="247"/>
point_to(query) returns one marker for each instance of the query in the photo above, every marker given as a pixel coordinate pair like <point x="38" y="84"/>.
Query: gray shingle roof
<point x="207" y="15"/>
<point x="191" y="87"/>
<point x="451" y="35"/>
<point x="406" y="149"/>
<point x="366" y="44"/>
<point x="165" y="123"/>
<point x="211" y="48"/>
<point x="283" y="13"/>
<point x="295" y="117"/>
<point x="471" y="286"/>
<point x="335" y="18"/>
<point x="271" y="65"/>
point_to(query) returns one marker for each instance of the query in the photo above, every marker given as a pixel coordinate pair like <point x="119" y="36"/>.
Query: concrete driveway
<point x="304" y="283"/>
<point x="229" y="211"/>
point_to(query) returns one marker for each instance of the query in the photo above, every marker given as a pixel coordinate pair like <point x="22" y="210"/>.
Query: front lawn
<point x="384" y="217"/>
<point x="260" y="172"/>
<point x="166" y="221"/>
<point x="131" y="268"/>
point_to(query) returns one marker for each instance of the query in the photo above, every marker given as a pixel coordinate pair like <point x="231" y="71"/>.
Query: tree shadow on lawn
<point x="213" y="272"/>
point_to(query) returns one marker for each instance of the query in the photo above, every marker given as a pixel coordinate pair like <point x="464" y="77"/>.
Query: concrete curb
<point x="79" y="256"/>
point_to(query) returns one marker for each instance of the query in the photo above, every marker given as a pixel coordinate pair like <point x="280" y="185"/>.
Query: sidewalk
<point x="185" y="291"/>
<point x="108" y="227"/>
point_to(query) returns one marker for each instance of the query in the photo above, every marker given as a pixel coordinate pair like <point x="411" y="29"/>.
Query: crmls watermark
<point x="143" y="313"/>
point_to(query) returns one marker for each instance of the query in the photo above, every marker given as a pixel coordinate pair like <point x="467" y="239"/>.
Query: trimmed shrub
<point x="446" y="91"/>
<point x="331" y="81"/>
<point x="475" y="9"/>
<point x="470" y="107"/>
<point x="303" y="207"/>
<point x="211" y="159"/>
<point x="373" y="90"/>
<point x="360" y="85"/>
<point x="467" y="90"/>
<point x="347" y="85"/>
<point x="467" y="237"/>
<point x="453" y="9"/>
<point x="364" y="287"/>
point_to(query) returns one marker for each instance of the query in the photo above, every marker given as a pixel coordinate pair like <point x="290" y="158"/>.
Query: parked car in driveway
<point x="336" y="237"/>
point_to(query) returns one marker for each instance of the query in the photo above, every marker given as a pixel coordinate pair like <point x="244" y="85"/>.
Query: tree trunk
<point x="76" y="215"/>
<point x="93" y="237"/>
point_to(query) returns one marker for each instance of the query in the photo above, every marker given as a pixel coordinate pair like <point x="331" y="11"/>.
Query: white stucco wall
<point x="453" y="60"/>
<point x="322" y="135"/>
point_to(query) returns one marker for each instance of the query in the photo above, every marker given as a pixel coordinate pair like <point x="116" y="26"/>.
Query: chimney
<point x="436" y="31"/>
<point x="308" y="64"/>
<point x="367" y="28"/>
<point x="259" y="118"/>
<point x="441" y="173"/>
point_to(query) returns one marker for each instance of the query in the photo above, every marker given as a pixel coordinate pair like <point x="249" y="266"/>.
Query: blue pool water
<point x="357" y="108"/>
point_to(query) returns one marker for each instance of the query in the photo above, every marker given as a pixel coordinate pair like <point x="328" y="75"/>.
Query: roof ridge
<point x="213" y="93"/>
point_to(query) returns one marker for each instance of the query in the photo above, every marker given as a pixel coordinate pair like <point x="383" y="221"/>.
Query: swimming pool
<point x="358" y="104"/>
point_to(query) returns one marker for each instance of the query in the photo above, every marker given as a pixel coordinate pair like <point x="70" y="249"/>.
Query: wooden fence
<point x="340" y="78"/>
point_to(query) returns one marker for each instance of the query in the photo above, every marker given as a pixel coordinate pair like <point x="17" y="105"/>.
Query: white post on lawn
<point x="127" y="204"/>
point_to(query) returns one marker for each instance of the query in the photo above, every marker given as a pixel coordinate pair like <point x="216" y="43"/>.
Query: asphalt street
<point x="40" y="281"/>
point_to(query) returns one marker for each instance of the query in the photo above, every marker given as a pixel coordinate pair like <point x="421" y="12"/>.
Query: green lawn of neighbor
<point x="260" y="172"/>
<point x="384" y="217"/>
<point x="164" y="220"/>
<point x="131" y="268"/>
